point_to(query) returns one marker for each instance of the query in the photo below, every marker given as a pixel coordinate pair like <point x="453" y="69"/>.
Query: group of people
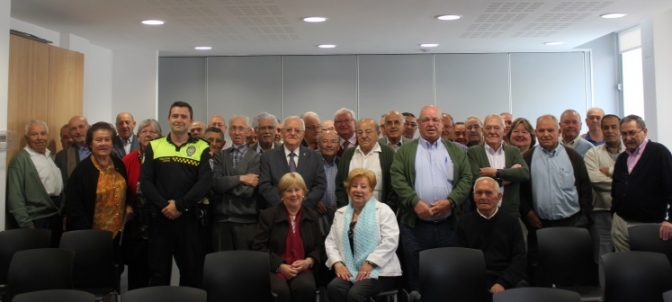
<point x="345" y="202"/>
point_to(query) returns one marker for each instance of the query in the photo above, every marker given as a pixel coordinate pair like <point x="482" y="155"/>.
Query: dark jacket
<point x="234" y="201"/>
<point x="271" y="234"/>
<point x="81" y="193"/>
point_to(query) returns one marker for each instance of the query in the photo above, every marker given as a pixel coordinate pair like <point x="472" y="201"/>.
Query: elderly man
<point x="313" y="129"/>
<point x="264" y="124"/>
<point x="410" y="125"/>
<point x="371" y="155"/>
<point x="68" y="159"/>
<point x="460" y="134"/>
<point x="448" y="127"/>
<point x="250" y="136"/>
<point x="327" y="143"/>
<point x="215" y="138"/>
<point x="345" y="120"/>
<point x="593" y="120"/>
<point x="641" y="190"/>
<point x="235" y="179"/>
<point x="328" y="125"/>
<point x="501" y="162"/>
<point x="34" y="184"/>
<point x="432" y="179"/>
<point x="600" y="163"/>
<point x="197" y="129"/>
<point x="474" y="128"/>
<point x="292" y="157"/>
<point x="394" y="122"/>
<point x="570" y="125"/>
<point x="126" y="141"/>
<point x="558" y="192"/>
<point x="497" y="234"/>
<point x="66" y="139"/>
<point x="508" y="121"/>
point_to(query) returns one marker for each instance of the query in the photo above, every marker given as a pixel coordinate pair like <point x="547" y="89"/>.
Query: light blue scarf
<point x="365" y="240"/>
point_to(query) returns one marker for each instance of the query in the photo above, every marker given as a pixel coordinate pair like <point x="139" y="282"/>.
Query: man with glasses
<point x="292" y="157"/>
<point x="313" y="129"/>
<point x="218" y="121"/>
<point x="265" y="125"/>
<point x="449" y="131"/>
<point x="432" y="179"/>
<point x="370" y="155"/>
<point x="344" y="121"/>
<point x="394" y="122"/>
<point x="474" y="128"/>
<point x="642" y="186"/>
<point x="410" y="125"/>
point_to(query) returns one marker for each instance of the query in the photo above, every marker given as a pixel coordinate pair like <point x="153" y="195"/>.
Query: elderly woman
<point x="362" y="243"/>
<point x="136" y="234"/>
<point x="290" y="234"/>
<point x="522" y="135"/>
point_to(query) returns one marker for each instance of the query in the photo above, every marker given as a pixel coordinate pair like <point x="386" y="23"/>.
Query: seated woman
<point x="289" y="232"/>
<point x="362" y="243"/>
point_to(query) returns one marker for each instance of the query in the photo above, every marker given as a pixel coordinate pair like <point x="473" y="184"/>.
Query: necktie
<point x="292" y="163"/>
<point x="346" y="144"/>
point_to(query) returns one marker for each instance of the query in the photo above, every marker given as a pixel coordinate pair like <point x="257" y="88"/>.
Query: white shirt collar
<point x="486" y="217"/>
<point x="30" y="151"/>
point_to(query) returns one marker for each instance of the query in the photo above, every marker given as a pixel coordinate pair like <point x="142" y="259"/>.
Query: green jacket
<point x="511" y="199"/>
<point x="27" y="199"/>
<point x="403" y="180"/>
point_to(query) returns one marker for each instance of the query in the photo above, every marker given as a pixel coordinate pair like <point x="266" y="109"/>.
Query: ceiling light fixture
<point x="613" y="15"/>
<point x="326" y="46"/>
<point x="429" y="45"/>
<point x="203" y="47"/>
<point x="314" y="19"/>
<point x="554" y="43"/>
<point x="449" y="17"/>
<point x="152" y="22"/>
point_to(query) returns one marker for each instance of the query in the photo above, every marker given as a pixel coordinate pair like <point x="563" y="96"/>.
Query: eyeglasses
<point x="473" y="127"/>
<point x="630" y="133"/>
<point x="411" y="124"/>
<point x="217" y="125"/>
<point x="390" y="123"/>
<point x="147" y="131"/>
<point x="347" y="121"/>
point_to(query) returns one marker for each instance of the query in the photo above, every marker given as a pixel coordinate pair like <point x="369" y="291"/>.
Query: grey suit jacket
<point x="274" y="166"/>
<point x="118" y="146"/>
<point x="383" y="141"/>
<point x="234" y="201"/>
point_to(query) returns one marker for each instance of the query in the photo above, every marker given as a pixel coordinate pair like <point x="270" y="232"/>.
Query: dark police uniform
<point x="181" y="173"/>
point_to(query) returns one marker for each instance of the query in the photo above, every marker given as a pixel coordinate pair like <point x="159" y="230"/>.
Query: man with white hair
<point x="313" y="129"/>
<point x="593" y="120"/>
<point x="345" y="120"/>
<point x="265" y="125"/>
<point x="474" y="128"/>
<point x="570" y="126"/>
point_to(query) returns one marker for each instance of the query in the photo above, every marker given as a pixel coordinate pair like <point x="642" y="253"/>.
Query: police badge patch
<point x="191" y="150"/>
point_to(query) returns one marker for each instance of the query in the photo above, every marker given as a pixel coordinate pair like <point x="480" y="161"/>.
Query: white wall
<point x="4" y="82"/>
<point x="604" y="60"/>
<point x="98" y="83"/>
<point x="135" y="83"/>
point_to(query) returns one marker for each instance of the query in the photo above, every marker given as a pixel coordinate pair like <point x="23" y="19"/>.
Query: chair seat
<point x="99" y="292"/>
<point x="587" y="293"/>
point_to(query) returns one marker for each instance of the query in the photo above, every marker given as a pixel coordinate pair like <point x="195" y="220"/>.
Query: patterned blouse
<point x="110" y="196"/>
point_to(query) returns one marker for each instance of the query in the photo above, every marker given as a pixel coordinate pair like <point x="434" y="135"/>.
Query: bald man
<point x="126" y="141"/>
<point x="67" y="159"/>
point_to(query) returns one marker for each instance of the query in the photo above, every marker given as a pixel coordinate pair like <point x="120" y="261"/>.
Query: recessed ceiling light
<point x="449" y="17"/>
<point x="327" y="46"/>
<point x="315" y="19"/>
<point x="203" y="47"/>
<point x="613" y="15"/>
<point x="554" y="43"/>
<point x="429" y="45"/>
<point x="152" y="22"/>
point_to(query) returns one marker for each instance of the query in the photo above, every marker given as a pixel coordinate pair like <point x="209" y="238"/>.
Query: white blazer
<point x="384" y="255"/>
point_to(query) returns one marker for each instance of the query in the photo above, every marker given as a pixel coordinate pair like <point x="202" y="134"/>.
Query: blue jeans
<point x="424" y="236"/>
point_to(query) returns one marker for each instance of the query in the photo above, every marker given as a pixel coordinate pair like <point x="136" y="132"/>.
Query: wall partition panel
<point x="244" y="85"/>
<point x="181" y="79"/>
<point x="548" y="83"/>
<point x="400" y="82"/>
<point x="322" y="84"/>
<point x="472" y="84"/>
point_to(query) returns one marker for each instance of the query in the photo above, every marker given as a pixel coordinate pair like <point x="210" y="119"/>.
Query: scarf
<point x="294" y="243"/>
<point x="365" y="238"/>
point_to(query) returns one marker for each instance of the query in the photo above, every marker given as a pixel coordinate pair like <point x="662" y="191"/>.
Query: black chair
<point x="647" y="238"/>
<point x="567" y="261"/>
<point x="667" y="296"/>
<point x="12" y="241"/>
<point x="228" y="275"/>
<point x="536" y="294"/>
<point x="94" y="270"/>
<point x="39" y="269"/>
<point x="56" y="295"/>
<point x="636" y="276"/>
<point x="465" y="270"/>
<point x="168" y="294"/>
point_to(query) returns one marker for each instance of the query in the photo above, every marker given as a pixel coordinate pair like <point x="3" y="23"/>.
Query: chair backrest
<point x="167" y="294"/>
<point x="667" y="296"/>
<point x="228" y="275"/>
<point x="56" y="295"/>
<point x="536" y="294"/>
<point x="39" y="269"/>
<point x="647" y="238"/>
<point x="566" y="257"/>
<point x="94" y="261"/>
<point x="12" y="241"/>
<point x="636" y="276"/>
<point x="453" y="273"/>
